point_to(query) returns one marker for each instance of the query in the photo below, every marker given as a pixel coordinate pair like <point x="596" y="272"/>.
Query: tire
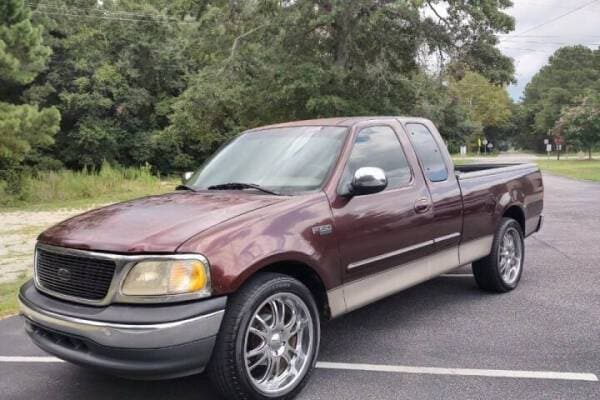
<point x="491" y="274"/>
<point x="235" y="370"/>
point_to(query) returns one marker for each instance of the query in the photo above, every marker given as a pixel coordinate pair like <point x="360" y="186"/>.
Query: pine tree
<point x="22" y="58"/>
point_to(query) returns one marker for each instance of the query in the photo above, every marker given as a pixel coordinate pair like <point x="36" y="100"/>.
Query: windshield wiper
<point x="184" y="187"/>
<point x="241" y="186"/>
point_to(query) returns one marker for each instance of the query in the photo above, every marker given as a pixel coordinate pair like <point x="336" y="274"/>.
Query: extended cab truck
<point x="286" y="225"/>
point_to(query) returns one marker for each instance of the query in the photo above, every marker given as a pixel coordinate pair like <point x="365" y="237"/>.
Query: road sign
<point x="485" y="142"/>
<point x="546" y="141"/>
<point x="548" y="148"/>
<point x="490" y="145"/>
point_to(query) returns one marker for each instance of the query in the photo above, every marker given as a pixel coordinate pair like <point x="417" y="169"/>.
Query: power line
<point x="126" y="14"/>
<point x="109" y="18"/>
<point x="556" y="18"/>
<point x="526" y="49"/>
<point x="573" y="43"/>
<point x="108" y="15"/>
<point x="513" y="36"/>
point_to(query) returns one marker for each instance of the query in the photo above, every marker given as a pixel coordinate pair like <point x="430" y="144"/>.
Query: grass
<point x="475" y="155"/>
<point x="578" y="169"/>
<point x="8" y="296"/>
<point x="82" y="189"/>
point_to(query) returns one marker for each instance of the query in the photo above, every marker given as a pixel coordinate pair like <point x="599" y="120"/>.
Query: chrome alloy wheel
<point x="279" y="344"/>
<point x="510" y="256"/>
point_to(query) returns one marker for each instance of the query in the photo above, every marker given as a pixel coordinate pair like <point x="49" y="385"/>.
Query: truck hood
<point x="152" y="224"/>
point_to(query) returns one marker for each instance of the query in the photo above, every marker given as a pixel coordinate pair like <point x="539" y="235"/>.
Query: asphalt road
<point x="550" y="323"/>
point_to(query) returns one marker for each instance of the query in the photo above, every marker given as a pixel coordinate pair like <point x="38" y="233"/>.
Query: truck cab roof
<point x="341" y="121"/>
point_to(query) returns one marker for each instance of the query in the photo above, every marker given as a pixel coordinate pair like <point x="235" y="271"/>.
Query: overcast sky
<point x="530" y="48"/>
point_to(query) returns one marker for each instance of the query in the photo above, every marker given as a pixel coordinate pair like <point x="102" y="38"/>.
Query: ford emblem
<point x="64" y="274"/>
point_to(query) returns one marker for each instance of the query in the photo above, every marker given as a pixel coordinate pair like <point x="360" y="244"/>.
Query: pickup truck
<point x="284" y="227"/>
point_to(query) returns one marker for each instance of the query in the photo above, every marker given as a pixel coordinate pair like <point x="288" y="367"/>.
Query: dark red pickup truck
<point x="286" y="225"/>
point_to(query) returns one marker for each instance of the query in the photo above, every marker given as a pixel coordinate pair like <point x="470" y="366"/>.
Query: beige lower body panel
<point x="358" y="293"/>
<point x="475" y="249"/>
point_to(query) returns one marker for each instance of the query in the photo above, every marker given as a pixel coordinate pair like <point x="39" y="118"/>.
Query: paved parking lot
<point x="433" y="340"/>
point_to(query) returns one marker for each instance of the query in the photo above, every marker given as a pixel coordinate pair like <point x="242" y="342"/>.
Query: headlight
<point x="165" y="277"/>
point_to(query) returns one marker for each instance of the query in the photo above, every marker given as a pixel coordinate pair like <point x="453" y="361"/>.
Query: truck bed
<point x="494" y="185"/>
<point x="465" y="171"/>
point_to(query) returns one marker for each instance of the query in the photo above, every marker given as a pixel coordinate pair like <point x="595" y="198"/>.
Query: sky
<point x="530" y="45"/>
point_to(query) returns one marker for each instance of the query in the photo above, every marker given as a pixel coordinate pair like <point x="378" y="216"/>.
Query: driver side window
<point x="378" y="146"/>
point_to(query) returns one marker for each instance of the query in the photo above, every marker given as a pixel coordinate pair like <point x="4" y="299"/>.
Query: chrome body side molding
<point x="403" y="250"/>
<point x="380" y="257"/>
<point x="358" y="293"/>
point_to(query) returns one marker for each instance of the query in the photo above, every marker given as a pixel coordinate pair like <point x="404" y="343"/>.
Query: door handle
<point x="422" y="205"/>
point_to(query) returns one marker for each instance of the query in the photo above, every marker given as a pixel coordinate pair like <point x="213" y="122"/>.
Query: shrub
<point x="109" y="183"/>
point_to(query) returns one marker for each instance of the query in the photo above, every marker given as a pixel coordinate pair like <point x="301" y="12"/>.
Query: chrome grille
<point x="72" y="275"/>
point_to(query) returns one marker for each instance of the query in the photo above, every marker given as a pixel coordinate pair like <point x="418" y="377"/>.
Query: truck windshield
<point x="282" y="160"/>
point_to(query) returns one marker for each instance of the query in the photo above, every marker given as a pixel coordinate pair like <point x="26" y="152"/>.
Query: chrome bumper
<point x="125" y="335"/>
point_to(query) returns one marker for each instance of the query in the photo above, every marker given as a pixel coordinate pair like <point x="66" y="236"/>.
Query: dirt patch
<point x="18" y="232"/>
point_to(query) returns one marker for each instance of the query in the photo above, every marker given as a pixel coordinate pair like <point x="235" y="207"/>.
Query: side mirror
<point x="368" y="180"/>
<point x="186" y="176"/>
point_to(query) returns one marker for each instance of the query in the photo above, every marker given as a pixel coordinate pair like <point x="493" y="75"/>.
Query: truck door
<point x="438" y="171"/>
<point x="383" y="232"/>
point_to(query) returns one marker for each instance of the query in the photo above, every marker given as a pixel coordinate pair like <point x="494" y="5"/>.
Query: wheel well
<point x="516" y="213"/>
<point x="308" y="277"/>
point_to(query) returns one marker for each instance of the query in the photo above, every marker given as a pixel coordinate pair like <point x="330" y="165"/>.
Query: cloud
<point x="532" y="49"/>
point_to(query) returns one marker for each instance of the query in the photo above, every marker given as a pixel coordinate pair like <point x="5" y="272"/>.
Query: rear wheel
<point x="501" y="270"/>
<point x="269" y="340"/>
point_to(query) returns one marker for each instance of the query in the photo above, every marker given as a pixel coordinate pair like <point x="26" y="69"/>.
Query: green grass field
<point x="82" y="189"/>
<point x="578" y="169"/>
<point x="8" y="296"/>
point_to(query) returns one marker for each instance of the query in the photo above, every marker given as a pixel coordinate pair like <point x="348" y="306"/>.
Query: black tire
<point x="487" y="270"/>
<point x="227" y="369"/>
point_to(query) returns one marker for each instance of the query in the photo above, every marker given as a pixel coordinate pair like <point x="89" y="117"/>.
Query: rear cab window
<point x="378" y="146"/>
<point x="428" y="152"/>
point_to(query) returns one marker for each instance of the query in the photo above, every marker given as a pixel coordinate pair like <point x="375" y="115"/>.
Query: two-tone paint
<point x="350" y="251"/>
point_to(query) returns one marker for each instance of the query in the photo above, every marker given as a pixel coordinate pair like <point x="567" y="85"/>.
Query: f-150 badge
<point x="322" y="229"/>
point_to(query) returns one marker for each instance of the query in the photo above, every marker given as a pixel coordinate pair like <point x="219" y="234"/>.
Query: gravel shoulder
<point x="18" y="232"/>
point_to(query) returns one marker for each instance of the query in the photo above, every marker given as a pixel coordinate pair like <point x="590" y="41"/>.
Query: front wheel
<point x="501" y="270"/>
<point x="269" y="340"/>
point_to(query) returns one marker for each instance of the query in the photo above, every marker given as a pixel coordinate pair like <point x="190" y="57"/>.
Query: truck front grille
<point x="77" y="276"/>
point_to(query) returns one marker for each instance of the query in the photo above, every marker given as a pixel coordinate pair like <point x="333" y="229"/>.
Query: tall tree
<point x="580" y="124"/>
<point x="569" y="73"/>
<point x="116" y="67"/>
<point x="487" y="105"/>
<point x="465" y="32"/>
<point x="167" y="81"/>
<point x="22" y="57"/>
<point x="307" y="59"/>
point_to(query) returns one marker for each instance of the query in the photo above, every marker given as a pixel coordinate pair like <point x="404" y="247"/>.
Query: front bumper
<point x="144" y="342"/>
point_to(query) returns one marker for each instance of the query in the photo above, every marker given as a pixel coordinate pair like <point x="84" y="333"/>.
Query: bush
<point x="109" y="183"/>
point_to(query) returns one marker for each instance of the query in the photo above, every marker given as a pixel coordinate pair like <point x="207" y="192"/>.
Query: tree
<point x="487" y="105"/>
<point x="466" y="34"/>
<point x="310" y="59"/>
<point x="569" y="73"/>
<point x="116" y="68"/>
<point x="22" y="57"/>
<point x="168" y="81"/>
<point x="580" y="124"/>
